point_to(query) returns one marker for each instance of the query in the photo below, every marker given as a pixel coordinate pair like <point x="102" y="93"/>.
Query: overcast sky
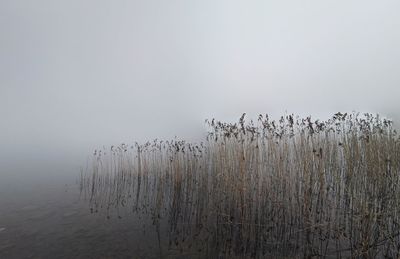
<point x="77" y="74"/>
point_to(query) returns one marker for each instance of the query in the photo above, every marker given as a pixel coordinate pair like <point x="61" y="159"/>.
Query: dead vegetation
<point x="295" y="187"/>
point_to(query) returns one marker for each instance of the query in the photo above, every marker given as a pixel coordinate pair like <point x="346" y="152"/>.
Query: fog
<point x="76" y="75"/>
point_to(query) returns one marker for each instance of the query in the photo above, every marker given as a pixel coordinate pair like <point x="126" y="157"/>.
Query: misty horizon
<point x="79" y="75"/>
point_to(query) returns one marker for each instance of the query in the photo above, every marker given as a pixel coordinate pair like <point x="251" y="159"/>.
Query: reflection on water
<point x="287" y="188"/>
<point x="52" y="221"/>
<point x="281" y="189"/>
<point x="42" y="215"/>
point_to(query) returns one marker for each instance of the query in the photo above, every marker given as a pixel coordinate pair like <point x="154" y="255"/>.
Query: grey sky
<point x="79" y="74"/>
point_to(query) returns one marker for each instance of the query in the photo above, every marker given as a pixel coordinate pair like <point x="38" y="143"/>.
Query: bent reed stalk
<point x="288" y="188"/>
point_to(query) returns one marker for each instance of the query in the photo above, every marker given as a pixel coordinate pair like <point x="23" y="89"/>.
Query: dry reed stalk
<point x="292" y="187"/>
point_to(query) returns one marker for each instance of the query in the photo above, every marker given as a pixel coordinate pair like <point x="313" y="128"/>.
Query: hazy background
<point x="79" y="74"/>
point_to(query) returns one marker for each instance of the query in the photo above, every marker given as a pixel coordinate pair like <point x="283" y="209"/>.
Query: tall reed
<point x="295" y="187"/>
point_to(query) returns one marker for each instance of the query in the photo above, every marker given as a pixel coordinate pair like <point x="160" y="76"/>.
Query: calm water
<point x="42" y="215"/>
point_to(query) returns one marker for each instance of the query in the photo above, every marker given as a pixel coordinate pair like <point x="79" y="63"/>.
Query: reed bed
<point x="294" y="187"/>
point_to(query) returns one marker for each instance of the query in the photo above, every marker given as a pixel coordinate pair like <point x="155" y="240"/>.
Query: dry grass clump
<point x="288" y="188"/>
